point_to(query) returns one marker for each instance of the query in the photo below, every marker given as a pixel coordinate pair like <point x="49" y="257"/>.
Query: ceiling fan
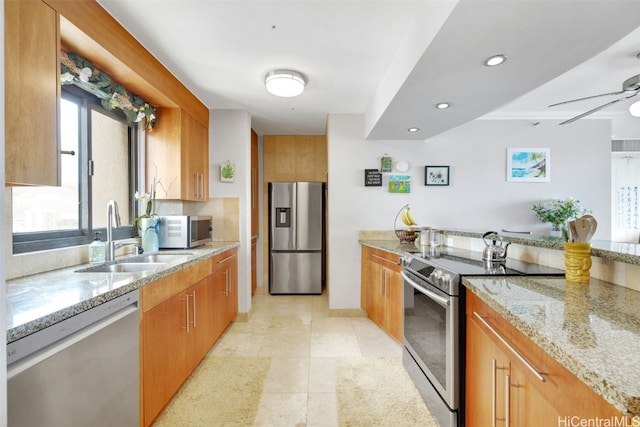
<point x="630" y="88"/>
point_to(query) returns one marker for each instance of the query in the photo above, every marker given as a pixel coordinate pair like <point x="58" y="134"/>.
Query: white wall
<point x="478" y="198"/>
<point x="230" y="139"/>
<point x="3" y="304"/>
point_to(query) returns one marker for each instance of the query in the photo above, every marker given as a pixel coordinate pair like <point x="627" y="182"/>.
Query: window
<point x="99" y="163"/>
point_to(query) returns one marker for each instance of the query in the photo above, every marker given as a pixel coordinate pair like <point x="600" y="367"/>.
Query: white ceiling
<point x="392" y="60"/>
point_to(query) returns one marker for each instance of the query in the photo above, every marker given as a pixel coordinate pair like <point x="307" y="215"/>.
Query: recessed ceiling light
<point x="634" y="109"/>
<point x="442" y="105"/>
<point x="495" y="60"/>
<point x="285" y="83"/>
<point x="413" y="129"/>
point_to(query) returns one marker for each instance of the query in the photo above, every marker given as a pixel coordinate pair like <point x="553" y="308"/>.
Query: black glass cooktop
<point x="470" y="263"/>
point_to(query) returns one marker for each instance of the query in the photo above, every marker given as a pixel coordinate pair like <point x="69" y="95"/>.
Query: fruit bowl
<point x="407" y="236"/>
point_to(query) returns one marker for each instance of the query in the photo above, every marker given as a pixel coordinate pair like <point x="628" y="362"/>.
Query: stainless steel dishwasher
<point x="83" y="371"/>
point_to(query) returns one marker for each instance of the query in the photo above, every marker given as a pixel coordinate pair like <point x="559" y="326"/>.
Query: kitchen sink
<point x="123" y="267"/>
<point x="157" y="258"/>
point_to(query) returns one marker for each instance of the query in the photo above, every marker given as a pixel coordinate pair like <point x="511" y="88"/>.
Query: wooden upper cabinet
<point x="178" y="156"/>
<point x="32" y="92"/>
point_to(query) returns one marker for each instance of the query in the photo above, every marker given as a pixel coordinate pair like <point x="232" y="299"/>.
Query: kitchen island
<point x="592" y="330"/>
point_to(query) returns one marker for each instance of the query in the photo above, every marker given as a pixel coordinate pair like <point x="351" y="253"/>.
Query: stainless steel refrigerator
<point x="296" y="237"/>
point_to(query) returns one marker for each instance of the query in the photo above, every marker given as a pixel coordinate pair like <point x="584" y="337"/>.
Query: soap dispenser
<point x="97" y="249"/>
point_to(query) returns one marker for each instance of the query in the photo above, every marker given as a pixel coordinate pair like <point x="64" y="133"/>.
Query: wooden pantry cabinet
<point x="382" y="290"/>
<point x="177" y="152"/>
<point x="180" y="321"/>
<point x="32" y="90"/>
<point x="510" y="381"/>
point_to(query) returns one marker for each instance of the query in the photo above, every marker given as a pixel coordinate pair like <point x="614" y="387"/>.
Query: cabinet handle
<point x="397" y="262"/>
<point x="493" y="392"/>
<point x="507" y="400"/>
<point x="193" y="301"/>
<point x="539" y="375"/>
<point x="186" y="299"/>
<point x="226" y="259"/>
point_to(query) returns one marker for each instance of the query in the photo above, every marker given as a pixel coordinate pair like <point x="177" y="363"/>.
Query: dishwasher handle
<point x="38" y="356"/>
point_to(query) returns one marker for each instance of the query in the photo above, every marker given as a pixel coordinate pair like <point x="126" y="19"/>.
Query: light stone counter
<point x="592" y="329"/>
<point x="41" y="300"/>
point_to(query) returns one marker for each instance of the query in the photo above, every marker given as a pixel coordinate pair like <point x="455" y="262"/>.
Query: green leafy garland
<point x="76" y="70"/>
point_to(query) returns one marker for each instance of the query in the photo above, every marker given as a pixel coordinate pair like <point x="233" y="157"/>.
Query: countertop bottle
<point x="97" y="249"/>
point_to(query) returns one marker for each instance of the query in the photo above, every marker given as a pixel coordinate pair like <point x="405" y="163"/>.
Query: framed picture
<point x="227" y="172"/>
<point x="399" y="184"/>
<point x="528" y="164"/>
<point x="436" y="175"/>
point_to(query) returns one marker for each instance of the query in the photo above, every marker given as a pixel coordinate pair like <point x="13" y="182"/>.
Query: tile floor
<point x="304" y="343"/>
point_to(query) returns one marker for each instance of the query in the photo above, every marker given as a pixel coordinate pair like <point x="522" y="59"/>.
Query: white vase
<point x="149" y="234"/>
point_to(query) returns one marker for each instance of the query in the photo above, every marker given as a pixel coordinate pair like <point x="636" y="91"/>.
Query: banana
<point x="407" y="219"/>
<point x="410" y="218"/>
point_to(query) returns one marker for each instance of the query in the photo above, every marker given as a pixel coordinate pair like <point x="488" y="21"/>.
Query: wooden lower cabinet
<point x="504" y="389"/>
<point x="183" y="315"/>
<point x="382" y="290"/>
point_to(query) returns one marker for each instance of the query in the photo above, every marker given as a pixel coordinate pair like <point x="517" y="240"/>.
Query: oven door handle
<point x="437" y="298"/>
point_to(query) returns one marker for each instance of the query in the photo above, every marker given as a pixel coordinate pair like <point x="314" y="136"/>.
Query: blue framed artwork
<point x="528" y="164"/>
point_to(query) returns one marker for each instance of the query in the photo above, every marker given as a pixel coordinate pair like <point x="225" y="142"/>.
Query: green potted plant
<point x="558" y="212"/>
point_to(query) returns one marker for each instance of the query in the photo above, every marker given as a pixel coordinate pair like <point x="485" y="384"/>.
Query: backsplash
<point x="226" y="219"/>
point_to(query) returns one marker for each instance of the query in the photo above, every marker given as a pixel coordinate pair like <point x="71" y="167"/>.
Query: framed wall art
<point x="528" y="164"/>
<point x="399" y="184"/>
<point x="436" y="175"/>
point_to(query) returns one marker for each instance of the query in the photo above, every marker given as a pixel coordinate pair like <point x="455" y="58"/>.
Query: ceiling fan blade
<point x="588" y="97"/>
<point x="603" y="106"/>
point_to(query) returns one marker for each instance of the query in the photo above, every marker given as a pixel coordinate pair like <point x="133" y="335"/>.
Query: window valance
<point x="76" y="70"/>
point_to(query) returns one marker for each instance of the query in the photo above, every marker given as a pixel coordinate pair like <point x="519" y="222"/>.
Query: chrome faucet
<point x="112" y="210"/>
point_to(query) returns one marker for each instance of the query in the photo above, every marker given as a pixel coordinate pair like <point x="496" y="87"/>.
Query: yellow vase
<point x="577" y="261"/>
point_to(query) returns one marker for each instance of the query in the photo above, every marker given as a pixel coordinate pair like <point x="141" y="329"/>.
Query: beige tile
<point x="334" y="345"/>
<point x="282" y="409"/>
<point x="288" y="376"/>
<point x="332" y="325"/>
<point x="322" y="375"/>
<point x="232" y="344"/>
<point x="322" y="410"/>
<point x="290" y="324"/>
<point x="285" y="345"/>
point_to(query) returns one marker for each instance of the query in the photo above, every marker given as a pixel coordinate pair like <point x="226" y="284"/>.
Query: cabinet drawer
<point x="387" y="259"/>
<point x="221" y="260"/>
<point x="162" y="289"/>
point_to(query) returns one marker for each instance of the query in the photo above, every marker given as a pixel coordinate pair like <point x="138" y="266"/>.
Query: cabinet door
<point x="201" y="321"/>
<point x="178" y="156"/>
<point x="255" y="175"/>
<point x="394" y="310"/>
<point x="487" y="369"/>
<point x="195" y="151"/>
<point x="32" y="92"/>
<point x="164" y="340"/>
<point x="528" y="407"/>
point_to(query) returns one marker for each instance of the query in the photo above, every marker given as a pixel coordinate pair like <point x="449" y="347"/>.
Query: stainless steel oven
<point x="432" y="339"/>
<point x="434" y="322"/>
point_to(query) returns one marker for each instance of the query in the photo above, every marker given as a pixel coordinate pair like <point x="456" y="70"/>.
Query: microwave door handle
<point x="437" y="298"/>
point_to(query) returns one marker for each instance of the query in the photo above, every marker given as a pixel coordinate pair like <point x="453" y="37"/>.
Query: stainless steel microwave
<point x="184" y="231"/>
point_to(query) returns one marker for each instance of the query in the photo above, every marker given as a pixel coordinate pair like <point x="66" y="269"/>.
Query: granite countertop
<point x="591" y="329"/>
<point x="41" y="300"/>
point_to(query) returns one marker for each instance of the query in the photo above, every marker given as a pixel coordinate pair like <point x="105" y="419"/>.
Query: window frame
<point x="26" y="242"/>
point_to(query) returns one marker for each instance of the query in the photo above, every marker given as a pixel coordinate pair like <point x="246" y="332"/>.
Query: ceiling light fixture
<point x="413" y="129"/>
<point x="634" y="109"/>
<point x="495" y="60"/>
<point x="285" y="83"/>
<point x="442" y="105"/>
